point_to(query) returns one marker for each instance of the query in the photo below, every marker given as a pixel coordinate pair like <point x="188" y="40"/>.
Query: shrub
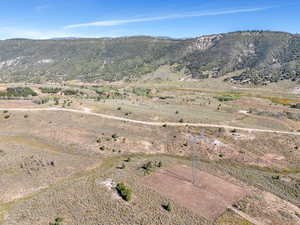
<point x="56" y="100"/>
<point x="149" y="166"/>
<point x="123" y="166"/>
<point x="167" y="207"/>
<point x="41" y="101"/>
<point x="221" y="130"/>
<point x="296" y="106"/>
<point x="6" y="116"/>
<point x="226" y="98"/>
<point x="128" y="160"/>
<point x="57" y="221"/>
<point x="124" y="191"/>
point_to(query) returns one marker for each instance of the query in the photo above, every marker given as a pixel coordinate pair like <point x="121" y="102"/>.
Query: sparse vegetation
<point x="114" y="136"/>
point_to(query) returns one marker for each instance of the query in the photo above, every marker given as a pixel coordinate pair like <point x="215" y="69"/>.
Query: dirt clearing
<point x="17" y="104"/>
<point x="209" y="197"/>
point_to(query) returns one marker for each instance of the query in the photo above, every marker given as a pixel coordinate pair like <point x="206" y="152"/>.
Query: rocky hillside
<point x="259" y="57"/>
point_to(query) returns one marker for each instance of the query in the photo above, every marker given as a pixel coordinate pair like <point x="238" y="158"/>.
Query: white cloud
<point x="106" y="23"/>
<point x="9" y="32"/>
<point x="40" y="8"/>
<point x="14" y="32"/>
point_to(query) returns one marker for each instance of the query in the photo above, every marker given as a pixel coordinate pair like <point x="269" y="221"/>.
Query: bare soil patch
<point x="209" y="197"/>
<point x="273" y="157"/>
<point x="17" y="104"/>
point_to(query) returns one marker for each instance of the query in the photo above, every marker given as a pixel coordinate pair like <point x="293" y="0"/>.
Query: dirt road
<point x="86" y="112"/>
<point x="247" y="217"/>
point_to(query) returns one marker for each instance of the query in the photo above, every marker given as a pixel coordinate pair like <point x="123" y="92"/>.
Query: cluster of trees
<point x="50" y="90"/>
<point x="70" y="92"/>
<point x="18" y="92"/>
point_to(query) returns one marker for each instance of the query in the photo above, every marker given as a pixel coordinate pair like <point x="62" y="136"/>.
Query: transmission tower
<point x="195" y="141"/>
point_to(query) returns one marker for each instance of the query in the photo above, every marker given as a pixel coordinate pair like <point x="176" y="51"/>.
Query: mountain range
<point x="255" y="57"/>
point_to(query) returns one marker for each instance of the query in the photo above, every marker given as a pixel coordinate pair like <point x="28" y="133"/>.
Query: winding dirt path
<point x="149" y="123"/>
<point x="247" y="217"/>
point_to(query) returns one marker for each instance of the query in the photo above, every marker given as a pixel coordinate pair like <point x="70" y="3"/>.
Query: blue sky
<point x="42" y="19"/>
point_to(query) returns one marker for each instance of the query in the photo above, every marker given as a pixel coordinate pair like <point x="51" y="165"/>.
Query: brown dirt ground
<point x="209" y="197"/>
<point x="17" y="104"/>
